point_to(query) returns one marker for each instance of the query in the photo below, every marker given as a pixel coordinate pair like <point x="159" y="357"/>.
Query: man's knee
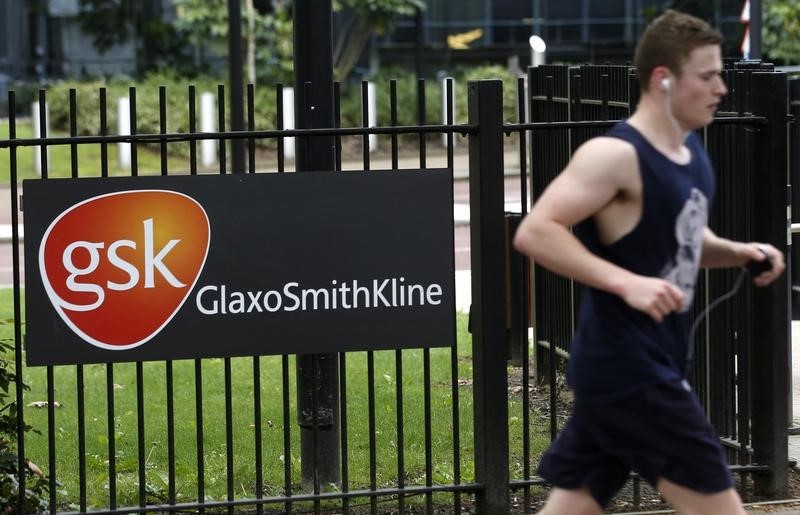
<point x="571" y="502"/>
<point x="692" y="502"/>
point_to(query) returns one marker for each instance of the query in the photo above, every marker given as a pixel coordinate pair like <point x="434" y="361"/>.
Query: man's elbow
<point x="525" y="237"/>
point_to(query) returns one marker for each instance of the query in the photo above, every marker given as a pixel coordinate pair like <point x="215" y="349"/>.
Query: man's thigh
<point x="691" y="502"/>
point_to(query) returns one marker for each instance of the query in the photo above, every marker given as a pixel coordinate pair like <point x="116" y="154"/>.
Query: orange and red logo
<point x="117" y="267"/>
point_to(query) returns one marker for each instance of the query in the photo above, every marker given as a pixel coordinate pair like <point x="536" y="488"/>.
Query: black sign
<point x="154" y="268"/>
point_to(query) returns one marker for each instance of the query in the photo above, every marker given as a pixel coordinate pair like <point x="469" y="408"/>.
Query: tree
<point x="268" y="27"/>
<point x="780" y="37"/>
<point x="115" y="22"/>
<point x="366" y="17"/>
<point x="204" y="23"/>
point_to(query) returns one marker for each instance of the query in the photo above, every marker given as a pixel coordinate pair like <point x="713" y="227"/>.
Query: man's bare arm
<point x="722" y="253"/>
<point x="596" y="174"/>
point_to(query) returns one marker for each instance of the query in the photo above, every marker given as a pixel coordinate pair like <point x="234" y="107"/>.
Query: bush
<point x="177" y="101"/>
<point x="36" y="484"/>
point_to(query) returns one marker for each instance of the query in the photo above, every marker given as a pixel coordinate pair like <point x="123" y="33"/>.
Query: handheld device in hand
<point x="756" y="268"/>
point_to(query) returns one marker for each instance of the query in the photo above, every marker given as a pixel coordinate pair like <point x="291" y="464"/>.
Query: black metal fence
<point x="741" y="371"/>
<point x="744" y="144"/>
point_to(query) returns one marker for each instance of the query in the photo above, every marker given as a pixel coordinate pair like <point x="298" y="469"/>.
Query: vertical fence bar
<point x="279" y="124"/>
<point x="192" y="130"/>
<point x="223" y="155"/>
<point x="398" y="354"/>
<point x="251" y="142"/>
<point x="287" y="435"/>
<point x="112" y="433"/>
<point x="488" y="323"/>
<point x="373" y="448"/>
<point x="162" y="128"/>
<point x="140" y="426"/>
<point x="393" y="120"/>
<point x="103" y="132"/>
<point x="51" y="414"/>
<point x="421" y="121"/>
<point x="523" y="329"/>
<point x="343" y="430"/>
<point x="552" y="355"/>
<point x="257" y="422"/>
<point x="229" y="431"/>
<point x="426" y="353"/>
<point x="51" y="435"/>
<point x="365" y="123"/>
<point x="771" y="317"/>
<point x="450" y="120"/>
<point x="168" y="369"/>
<point x="134" y="131"/>
<point x="315" y="434"/>
<point x="259" y="451"/>
<point x="343" y="442"/>
<point x="18" y="350"/>
<point x="79" y="379"/>
<point x="198" y="406"/>
<point x="110" y="414"/>
<point x="337" y="123"/>
<point x="373" y="465"/>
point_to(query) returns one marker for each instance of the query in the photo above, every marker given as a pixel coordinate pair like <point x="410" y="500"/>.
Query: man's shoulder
<point x="605" y="152"/>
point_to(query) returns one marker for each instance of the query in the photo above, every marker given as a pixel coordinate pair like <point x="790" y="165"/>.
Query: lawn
<point x="244" y="427"/>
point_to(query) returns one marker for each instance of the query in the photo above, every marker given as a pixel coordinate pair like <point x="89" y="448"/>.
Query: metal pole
<point x="490" y="385"/>
<point x="317" y="375"/>
<point x="235" y="65"/>
<point x="755" y="29"/>
<point x="771" y="319"/>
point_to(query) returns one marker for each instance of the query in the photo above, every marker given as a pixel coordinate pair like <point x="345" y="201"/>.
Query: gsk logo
<point x="117" y="267"/>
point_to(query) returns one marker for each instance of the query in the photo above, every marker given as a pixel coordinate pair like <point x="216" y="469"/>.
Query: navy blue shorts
<point x="659" y="432"/>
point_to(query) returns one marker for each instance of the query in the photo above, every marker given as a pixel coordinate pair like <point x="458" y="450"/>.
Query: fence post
<point x="317" y="374"/>
<point x="490" y="387"/>
<point x="771" y="305"/>
<point x="794" y="178"/>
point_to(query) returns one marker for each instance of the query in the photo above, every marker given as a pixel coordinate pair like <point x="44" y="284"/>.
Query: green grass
<point x="90" y="161"/>
<point x="243" y="429"/>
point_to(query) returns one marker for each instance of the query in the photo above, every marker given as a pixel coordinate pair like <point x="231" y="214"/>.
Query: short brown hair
<point x="668" y="41"/>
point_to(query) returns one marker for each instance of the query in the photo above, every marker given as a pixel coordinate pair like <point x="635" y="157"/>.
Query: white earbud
<point x="665" y="84"/>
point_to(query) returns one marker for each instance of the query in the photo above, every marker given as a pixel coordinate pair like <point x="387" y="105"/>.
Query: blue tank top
<point x="616" y="349"/>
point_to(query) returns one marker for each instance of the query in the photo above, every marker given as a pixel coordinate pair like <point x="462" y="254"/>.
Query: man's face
<point x="697" y="93"/>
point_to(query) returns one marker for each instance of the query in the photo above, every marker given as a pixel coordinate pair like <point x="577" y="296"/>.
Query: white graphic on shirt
<point x="682" y="269"/>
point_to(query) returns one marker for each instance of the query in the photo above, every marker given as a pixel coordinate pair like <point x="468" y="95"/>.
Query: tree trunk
<point x="251" y="42"/>
<point x="352" y="49"/>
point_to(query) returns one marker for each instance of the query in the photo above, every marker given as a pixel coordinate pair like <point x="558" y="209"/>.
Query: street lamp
<point x="538" y="48"/>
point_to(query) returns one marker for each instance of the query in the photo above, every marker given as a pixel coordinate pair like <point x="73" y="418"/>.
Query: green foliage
<point x="205" y="22"/>
<point x="381" y="14"/>
<point x="177" y="100"/>
<point x="147" y="105"/>
<point x="114" y="22"/>
<point x="36" y="484"/>
<point x="781" y="34"/>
